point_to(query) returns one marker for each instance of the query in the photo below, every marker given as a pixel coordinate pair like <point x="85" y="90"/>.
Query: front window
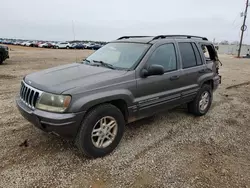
<point x="164" y="55"/>
<point x="120" y="55"/>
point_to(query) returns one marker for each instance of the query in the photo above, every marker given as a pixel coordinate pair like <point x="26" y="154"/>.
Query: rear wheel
<point x="202" y="102"/>
<point x="101" y="131"/>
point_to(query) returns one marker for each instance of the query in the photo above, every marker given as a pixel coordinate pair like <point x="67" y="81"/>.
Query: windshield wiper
<point x="86" y="60"/>
<point x="105" y="64"/>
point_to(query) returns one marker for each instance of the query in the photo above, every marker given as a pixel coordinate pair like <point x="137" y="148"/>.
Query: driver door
<point x="159" y="92"/>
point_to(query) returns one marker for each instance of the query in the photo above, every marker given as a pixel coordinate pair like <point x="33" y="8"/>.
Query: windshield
<point x="120" y="55"/>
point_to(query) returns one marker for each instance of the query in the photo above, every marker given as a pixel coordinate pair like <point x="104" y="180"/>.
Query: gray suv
<point x="128" y="79"/>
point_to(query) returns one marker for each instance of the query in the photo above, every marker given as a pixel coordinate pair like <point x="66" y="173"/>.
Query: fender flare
<point x="86" y="102"/>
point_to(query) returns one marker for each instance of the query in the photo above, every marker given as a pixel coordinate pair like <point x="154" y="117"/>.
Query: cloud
<point x="107" y="20"/>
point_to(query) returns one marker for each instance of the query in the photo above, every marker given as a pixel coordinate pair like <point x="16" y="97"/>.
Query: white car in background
<point x="42" y="45"/>
<point x="63" y="45"/>
<point x="26" y="43"/>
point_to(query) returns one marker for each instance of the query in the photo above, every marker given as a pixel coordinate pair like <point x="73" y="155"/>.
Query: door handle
<point x="176" y="77"/>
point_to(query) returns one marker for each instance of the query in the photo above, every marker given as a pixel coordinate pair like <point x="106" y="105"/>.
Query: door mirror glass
<point x="153" y="70"/>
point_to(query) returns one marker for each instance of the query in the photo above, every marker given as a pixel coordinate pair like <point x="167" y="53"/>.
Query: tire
<point x="67" y="47"/>
<point x="86" y="143"/>
<point x="195" y="108"/>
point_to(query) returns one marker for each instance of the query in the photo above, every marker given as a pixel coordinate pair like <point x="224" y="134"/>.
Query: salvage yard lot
<point x="171" y="149"/>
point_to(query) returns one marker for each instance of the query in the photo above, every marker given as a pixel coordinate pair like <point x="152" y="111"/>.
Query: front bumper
<point x="65" y="124"/>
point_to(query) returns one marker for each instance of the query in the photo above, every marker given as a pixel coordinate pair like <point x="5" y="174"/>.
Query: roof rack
<point x="127" y="37"/>
<point x="178" y="36"/>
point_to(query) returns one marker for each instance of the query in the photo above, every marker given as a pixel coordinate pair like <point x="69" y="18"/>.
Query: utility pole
<point x="243" y="27"/>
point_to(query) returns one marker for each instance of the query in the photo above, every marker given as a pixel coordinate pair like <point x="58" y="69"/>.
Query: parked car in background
<point x="4" y="53"/>
<point x="33" y="43"/>
<point x="87" y="45"/>
<point x="63" y="45"/>
<point x="41" y="44"/>
<point x="96" y="46"/>
<point x="18" y="42"/>
<point x="79" y="46"/>
<point x="46" y="45"/>
<point x="23" y="43"/>
<point x="93" y="46"/>
<point x="49" y="45"/>
<point x="72" y="45"/>
<point x="54" y="44"/>
<point x="26" y="43"/>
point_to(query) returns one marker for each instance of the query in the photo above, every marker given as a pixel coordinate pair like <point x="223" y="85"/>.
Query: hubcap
<point x="104" y="132"/>
<point x="203" y="104"/>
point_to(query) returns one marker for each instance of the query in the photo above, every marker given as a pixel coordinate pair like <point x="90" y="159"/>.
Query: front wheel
<point x="101" y="131"/>
<point x="202" y="102"/>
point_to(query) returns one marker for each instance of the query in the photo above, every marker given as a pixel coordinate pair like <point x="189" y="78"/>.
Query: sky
<point x="106" y="20"/>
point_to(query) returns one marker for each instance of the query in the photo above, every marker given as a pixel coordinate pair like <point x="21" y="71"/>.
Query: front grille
<point x="29" y="95"/>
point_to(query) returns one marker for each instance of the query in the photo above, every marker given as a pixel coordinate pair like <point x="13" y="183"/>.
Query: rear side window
<point x="187" y="55"/>
<point x="197" y="54"/>
<point x="208" y="51"/>
<point x="164" y="55"/>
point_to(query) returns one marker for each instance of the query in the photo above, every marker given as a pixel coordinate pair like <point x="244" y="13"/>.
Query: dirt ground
<point x="172" y="149"/>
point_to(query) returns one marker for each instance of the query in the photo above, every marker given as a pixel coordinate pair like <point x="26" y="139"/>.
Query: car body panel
<point x="59" y="79"/>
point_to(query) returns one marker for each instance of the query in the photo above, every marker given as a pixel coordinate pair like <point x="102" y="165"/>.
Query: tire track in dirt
<point x="238" y="85"/>
<point x="7" y="76"/>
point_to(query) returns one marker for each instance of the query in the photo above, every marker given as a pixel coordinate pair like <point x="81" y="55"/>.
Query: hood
<point x="59" y="79"/>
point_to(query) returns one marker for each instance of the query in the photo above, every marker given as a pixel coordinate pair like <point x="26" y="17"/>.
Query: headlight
<point x="53" y="103"/>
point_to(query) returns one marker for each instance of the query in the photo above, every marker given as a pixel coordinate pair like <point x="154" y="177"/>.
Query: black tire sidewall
<point x="202" y="90"/>
<point x="1" y="59"/>
<point x="84" y="135"/>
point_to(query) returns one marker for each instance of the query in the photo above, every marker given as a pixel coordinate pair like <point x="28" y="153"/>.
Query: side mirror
<point x="153" y="70"/>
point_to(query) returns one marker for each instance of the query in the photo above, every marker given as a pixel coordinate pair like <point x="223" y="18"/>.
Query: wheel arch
<point x="122" y="101"/>
<point x="121" y="104"/>
<point x="207" y="79"/>
<point x="209" y="82"/>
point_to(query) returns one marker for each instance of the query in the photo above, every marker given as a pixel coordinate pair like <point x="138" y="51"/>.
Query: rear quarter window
<point x="197" y="54"/>
<point x="187" y="55"/>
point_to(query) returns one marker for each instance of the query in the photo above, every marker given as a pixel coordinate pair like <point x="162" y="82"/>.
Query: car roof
<point x="155" y="39"/>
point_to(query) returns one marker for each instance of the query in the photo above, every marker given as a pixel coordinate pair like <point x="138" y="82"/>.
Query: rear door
<point x="193" y="68"/>
<point x="155" y="93"/>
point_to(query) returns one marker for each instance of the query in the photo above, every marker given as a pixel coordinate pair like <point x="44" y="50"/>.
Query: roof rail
<point x="127" y="37"/>
<point x="178" y="36"/>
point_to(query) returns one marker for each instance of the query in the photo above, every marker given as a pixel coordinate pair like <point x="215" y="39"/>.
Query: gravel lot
<point x="172" y="149"/>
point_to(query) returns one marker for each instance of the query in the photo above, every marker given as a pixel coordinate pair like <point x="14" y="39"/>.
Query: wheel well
<point x="121" y="105"/>
<point x="209" y="82"/>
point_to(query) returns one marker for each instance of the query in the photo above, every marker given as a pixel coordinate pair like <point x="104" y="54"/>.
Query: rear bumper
<point x="65" y="125"/>
<point x="217" y="81"/>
